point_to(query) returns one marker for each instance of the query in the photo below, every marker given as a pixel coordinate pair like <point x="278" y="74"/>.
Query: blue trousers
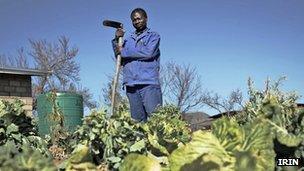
<point x="143" y="99"/>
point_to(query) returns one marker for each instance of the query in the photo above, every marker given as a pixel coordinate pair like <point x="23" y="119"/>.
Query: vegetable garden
<point x="270" y="126"/>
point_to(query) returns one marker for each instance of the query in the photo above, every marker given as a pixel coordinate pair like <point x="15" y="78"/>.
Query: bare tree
<point x="20" y="61"/>
<point x="3" y="61"/>
<point x="220" y="104"/>
<point x="182" y="85"/>
<point x="58" y="58"/>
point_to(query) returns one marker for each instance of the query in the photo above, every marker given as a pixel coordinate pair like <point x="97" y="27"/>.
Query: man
<point x="140" y="56"/>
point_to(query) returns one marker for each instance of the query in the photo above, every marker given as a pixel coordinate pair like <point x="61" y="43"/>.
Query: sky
<point x="226" y="41"/>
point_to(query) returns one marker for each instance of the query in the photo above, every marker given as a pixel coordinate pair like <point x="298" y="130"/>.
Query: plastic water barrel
<point x="70" y="106"/>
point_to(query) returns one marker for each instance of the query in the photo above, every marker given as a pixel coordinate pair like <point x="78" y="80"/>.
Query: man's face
<point x="139" y="21"/>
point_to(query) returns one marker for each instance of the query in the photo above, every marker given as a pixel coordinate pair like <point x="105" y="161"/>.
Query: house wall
<point x="17" y="86"/>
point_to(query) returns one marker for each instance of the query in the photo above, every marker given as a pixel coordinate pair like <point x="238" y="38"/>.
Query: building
<point x="197" y="120"/>
<point x="17" y="83"/>
<point x="300" y="105"/>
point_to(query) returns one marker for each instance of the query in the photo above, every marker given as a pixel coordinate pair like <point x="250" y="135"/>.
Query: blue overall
<point x="140" y="61"/>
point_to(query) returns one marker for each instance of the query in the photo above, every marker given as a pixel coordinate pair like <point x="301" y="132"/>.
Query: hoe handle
<point x="116" y="78"/>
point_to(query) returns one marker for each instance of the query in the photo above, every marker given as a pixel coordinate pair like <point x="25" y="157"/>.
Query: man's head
<point x="139" y="19"/>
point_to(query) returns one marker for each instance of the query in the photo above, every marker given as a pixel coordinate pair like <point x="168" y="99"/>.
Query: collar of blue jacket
<point x="137" y="36"/>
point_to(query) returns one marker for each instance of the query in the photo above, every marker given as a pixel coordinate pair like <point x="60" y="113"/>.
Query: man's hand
<point x="118" y="49"/>
<point x="119" y="33"/>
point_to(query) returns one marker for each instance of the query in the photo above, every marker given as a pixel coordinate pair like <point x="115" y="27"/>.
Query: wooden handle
<point x="116" y="78"/>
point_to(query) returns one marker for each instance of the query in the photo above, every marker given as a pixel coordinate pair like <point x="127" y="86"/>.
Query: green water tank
<point x="70" y="105"/>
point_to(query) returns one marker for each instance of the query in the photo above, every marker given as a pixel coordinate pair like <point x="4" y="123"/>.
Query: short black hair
<point x="139" y="10"/>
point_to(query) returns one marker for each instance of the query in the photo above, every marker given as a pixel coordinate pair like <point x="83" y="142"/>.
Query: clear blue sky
<point x="227" y="41"/>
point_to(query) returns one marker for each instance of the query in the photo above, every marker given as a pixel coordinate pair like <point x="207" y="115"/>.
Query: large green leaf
<point x="12" y="128"/>
<point x="138" y="146"/>
<point x="284" y="137"/>
<point x="80" y="154"/>
<point x="228" y="132"/>
<point x="154" y="141"/>
<point x="254" y="138"/>
<point x="245" y="161"/>
<point x="203" y="151"/>
<point x="289" y="139"/>
<point x="2" y="130"/>
<point x="137" y="162"/>
<point x="258" y="140"/>
<point x="114" y="159"/>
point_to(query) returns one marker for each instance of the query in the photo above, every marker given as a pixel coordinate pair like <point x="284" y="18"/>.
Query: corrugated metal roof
<point x="19" y="71"/>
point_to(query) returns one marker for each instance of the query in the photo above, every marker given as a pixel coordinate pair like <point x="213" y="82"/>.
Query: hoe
<point x="116" y="25"/>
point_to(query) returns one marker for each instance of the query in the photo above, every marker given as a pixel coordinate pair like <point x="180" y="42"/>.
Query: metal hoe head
<point x="114" y="24"/>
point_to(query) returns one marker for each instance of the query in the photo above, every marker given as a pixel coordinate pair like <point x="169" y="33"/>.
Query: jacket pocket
<point x="148" y="71"/>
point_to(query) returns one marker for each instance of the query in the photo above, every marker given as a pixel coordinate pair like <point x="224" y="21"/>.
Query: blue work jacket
<point x="140" y="58"/>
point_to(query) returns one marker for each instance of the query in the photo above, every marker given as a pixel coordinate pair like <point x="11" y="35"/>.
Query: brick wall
<point x="17" y="86"/>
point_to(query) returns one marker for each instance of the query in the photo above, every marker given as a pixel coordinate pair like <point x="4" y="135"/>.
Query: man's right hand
<point x="119" y="33"/>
